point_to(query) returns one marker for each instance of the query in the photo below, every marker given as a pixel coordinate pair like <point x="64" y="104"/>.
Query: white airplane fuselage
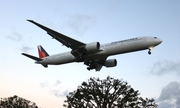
<point x="106" y="50"/>
<point x="93" y="54"/>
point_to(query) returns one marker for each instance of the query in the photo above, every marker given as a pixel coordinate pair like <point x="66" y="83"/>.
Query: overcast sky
<point x="155" y="76"/>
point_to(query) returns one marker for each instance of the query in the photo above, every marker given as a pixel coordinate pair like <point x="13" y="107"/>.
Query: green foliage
<point x="16" y="102"/>
<point x="107" y="93"/>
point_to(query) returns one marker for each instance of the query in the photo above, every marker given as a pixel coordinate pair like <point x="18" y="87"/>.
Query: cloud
<point x="165" y="66"/>
<point x="79" y="23"/>
<point x="25" y="48"/>
<point x="56" y="89"/>
<point x="170" y="96"/>
<point x="57" y="83"/>
<point x="114" y="6"/>
<point x="44" y="84"/>
<point x="59" y="93"/>
<point x="15" y="36"/>
<point x="165" y="105"/>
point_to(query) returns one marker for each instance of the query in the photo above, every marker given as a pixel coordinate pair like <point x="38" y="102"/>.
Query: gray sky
<point x="88" y="21"/>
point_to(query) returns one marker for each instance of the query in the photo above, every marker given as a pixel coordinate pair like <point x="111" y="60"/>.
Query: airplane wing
<point x="65" y="40"/>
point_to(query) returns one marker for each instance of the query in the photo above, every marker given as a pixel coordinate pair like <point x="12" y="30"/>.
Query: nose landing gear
<point x="149" y="52"/>
<point x="150" y="48"/>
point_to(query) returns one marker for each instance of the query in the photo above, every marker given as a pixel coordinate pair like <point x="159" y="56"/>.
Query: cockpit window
<point x="155" y="37"/>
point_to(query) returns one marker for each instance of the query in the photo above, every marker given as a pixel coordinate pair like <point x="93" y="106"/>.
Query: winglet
<point x="29" y="20"/>
<point x="42" y="52"/>
<point x="39" y="25"/>
<point x="32" y="21"/>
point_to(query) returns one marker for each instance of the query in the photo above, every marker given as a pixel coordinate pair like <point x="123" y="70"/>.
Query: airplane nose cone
<point x="158" y="41"/>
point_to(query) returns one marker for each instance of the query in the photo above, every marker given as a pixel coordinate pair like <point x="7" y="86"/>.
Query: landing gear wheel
<point x="88" y="68"/>
<point x="149" y="52"/>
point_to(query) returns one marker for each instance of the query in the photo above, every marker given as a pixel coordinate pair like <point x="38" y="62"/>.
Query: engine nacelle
<point x="92" y="47"/>
<point x="110" y="63"/>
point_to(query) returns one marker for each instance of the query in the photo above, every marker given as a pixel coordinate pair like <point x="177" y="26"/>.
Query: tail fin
<point x="42" y="52"/>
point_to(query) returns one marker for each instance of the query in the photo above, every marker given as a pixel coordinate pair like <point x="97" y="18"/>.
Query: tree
<point x="148" y="103"/>
<point x="16" y="102"/>
<point x="107" y="93"/>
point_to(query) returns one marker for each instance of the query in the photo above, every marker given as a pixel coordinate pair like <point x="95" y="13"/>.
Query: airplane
<point x="93" y="54"/>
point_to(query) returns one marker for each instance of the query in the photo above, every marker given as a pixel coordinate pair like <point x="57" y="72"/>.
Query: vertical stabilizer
<point x="42" y="52"/>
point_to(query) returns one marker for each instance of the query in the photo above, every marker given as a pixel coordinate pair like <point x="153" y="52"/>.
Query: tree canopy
<point x="16" y="102"/>
<point x="106" y="93"/>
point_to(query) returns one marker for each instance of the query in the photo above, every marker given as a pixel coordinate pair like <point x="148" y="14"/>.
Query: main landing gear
<point x="89" y="64"/>
<point x="88" y="68"/>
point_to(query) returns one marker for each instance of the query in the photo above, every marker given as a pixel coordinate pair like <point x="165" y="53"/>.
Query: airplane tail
<point x="42" y="52"/>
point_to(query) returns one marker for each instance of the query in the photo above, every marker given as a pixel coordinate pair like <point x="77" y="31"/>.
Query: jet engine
<point x="92" y="47"/>
<point x="110" y="63"/>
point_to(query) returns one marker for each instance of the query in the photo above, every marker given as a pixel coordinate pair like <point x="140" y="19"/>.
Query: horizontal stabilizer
<point x="45" y="65"/>
<point x="32" y="57"/>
